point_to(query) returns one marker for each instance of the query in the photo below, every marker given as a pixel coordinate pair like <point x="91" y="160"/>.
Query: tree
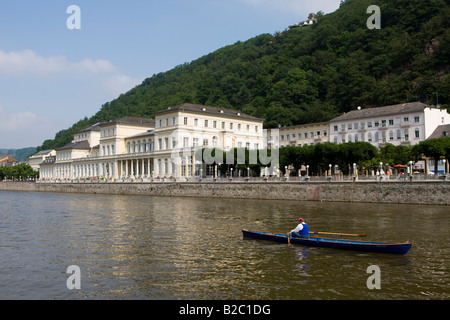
<point x="434" y="149"/>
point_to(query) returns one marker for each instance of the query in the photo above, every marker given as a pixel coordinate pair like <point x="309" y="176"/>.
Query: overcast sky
<point x="52" y="76"/>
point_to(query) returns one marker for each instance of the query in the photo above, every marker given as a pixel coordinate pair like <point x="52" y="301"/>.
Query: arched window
<point x="144" y="145"/>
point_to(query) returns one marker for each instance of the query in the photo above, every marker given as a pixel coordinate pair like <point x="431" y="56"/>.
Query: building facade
<point x="403" y="124"/>
<point x="306" y="134"/>
<point x="164" y="147"/>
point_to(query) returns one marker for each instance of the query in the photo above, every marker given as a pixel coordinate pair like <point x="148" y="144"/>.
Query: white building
<point x="130" y="147"/>
<point x="35" y="160"/>
<point x="402" y="124"/>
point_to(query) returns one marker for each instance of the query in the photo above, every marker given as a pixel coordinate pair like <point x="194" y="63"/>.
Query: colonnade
<point x="120" y="169"/>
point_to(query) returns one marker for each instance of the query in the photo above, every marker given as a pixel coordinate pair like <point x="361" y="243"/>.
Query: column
<point x="116" y="170"/>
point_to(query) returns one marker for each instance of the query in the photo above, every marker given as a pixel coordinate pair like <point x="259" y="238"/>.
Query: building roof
<point x="43" y="152"/>
<point x="7" y="159"/>
<point x="95" y="127"/>
<point x="81" y="145"/>
<point x="143" y="134"/>
<point x="208" y="110"/>
<point x="382" y="111"/>
<point x="440" y="132"/>
<point x="131" y="121"/>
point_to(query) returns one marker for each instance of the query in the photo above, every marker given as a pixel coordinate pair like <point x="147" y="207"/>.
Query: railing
<point x="223" y="179"/>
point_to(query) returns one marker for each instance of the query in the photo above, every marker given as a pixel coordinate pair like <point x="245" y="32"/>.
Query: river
<point x="168" y="248"/>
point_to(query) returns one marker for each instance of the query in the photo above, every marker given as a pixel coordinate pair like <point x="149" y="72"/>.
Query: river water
<point x="137" y="247"/>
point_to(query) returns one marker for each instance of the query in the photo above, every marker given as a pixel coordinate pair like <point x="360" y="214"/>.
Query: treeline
<point x="310" y="74"/>
<point x="18" y="172"/>
<point x="318" y="157"/>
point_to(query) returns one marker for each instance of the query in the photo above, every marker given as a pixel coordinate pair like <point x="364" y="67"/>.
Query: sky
<point x="58" y="65"/>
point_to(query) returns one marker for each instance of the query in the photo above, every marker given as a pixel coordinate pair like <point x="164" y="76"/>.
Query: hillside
<point x="19" y="154"/>
<point x="309" y="74"/>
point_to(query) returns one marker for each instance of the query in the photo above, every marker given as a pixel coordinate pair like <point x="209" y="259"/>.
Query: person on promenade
<point x="301" y="231"/>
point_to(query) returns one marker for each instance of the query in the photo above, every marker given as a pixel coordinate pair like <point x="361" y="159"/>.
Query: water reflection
<point x="138" y="247"/>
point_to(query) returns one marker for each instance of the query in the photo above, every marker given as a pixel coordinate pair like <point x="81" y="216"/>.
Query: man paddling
<point x="301" y="231"/>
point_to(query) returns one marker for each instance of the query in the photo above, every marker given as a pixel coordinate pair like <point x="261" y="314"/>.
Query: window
<point x="223" y="125"/>
<point x="416" y="119"/>
<point x="206" y="123"/>
<point x="166" y="143"/>
<point x="391" y="135"/>
<point x="185" y="142"/>
<point x="406" y="135"/>
<point x="391" y="122"/>
<point x="159" y="144"/>
<point x="214" y="124"/>
<point x="173" y="121"/>
<point x="185" y="121"/>
<point x="417" y="133"/>
<point x="369" y="124"/>
<point x="335" y="128"/>
<point x="399" y="134"/>
<point x="195" y="122"/>
<point x="195" y="142"/>
<point x="231" y="125"/>
<point x="239" y="127"/>
<point x="256" y="128"/>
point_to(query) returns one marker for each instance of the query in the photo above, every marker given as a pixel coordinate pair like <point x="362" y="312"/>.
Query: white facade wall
<point x="141" y="150"/>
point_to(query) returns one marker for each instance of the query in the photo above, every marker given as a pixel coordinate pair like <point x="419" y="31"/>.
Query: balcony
<point x="405" y="124"/>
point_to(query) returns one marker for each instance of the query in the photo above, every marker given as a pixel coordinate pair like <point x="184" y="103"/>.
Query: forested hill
<point x="309" y="74"/>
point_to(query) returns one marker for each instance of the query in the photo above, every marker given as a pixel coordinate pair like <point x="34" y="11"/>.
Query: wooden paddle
<point x="289" y="240"/>
<point x="340" y="234"/>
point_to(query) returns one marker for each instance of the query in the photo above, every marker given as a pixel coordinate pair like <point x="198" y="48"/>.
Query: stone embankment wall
<point x="429" y="192"/>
